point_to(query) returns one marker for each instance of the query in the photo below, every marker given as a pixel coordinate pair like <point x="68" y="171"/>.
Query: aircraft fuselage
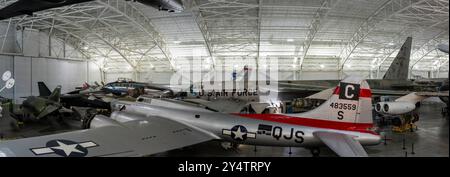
<point x="258" y="129"/>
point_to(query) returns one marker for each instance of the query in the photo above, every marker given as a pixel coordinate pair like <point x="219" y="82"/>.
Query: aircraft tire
<point x="315" y="152"/>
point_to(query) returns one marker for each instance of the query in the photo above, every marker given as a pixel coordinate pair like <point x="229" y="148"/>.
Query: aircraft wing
<point x="434" y="94"/>
<point x="319" y="88"/>
<point x="415" y="97"/>
<point x="342" y="144"/>
<point x="132" y="138"/>
<point x="301" y="87"/>
<point x="323" y="95"/>
<point x="389" y="92"/>
<point x="27" y="7"/>
<point x="49" y="109"/>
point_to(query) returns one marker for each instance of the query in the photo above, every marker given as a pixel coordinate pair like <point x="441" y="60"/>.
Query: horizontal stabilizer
<point x="415" y="97"/>
<point x="323" y="95"/>
<point x="342" y="144"/>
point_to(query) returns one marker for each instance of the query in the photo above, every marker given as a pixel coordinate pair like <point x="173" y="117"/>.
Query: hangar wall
<point x="27" y="71"/>
<point x="38" y="43"/>
<point x="33" y="56"/>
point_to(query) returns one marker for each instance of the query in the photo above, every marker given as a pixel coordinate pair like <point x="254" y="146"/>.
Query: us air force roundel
<point x="65" y="148"/>
<point x="239" y="133"/>
<point x="348" y="91"/>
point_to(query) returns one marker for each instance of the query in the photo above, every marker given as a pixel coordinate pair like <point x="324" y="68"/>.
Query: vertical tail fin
<point x="43" y="89"/>
<point x="55" y="94"/>
<point x="400" y="66"/>
<point x="351" y="102"/>
<point x="85" y="86"/>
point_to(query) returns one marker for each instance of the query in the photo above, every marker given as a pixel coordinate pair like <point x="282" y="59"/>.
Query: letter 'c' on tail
<point x="351" y="102"/>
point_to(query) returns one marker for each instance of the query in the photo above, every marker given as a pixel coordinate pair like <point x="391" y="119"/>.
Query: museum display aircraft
<point x="74" y="99"/>
<point x="42" y="110"/>
<point x="343" y="123"/>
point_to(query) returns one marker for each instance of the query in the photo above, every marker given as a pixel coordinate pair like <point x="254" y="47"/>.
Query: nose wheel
<point x="229" y="146"/>
<point x="315" y="152"/>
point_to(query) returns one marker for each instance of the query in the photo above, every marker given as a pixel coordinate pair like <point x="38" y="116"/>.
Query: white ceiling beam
<point x="141" y="21"/>
<point x="385" y="12"/>
<point x="315" y="25"/>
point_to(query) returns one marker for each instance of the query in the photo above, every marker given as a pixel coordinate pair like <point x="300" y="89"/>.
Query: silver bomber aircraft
<point x="343" y="123"/>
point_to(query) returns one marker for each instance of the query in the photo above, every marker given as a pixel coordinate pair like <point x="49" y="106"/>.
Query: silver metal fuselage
<point x="220" y="125"/>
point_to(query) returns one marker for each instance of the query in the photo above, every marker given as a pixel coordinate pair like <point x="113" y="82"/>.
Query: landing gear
<point x="225" y="145"/>
<point x="406" y="123"/>
<point x="16" y="125"/>
<point x="315" y="152"/>
<point x="444" y="111"/>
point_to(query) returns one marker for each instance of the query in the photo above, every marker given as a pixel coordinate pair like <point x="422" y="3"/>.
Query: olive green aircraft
<point x="36" y="107"/>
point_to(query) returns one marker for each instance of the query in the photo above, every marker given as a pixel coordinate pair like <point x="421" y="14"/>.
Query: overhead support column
<point x="80" y="40"/>
<point x="227" y="40"/>
<point x="315" y="25"/>
<point x="6" y="35"/>
<point x="258" y="50"/>
<point x="423" y="51"/>
<point x="399" y="40"/>
<point x="141" y="21"/>
<point x="443" y="63"/>
<point x="201" y="23"/>
<point x="58" y="17"/>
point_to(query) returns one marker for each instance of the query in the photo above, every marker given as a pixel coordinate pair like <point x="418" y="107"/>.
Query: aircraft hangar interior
<point x="224" y="78"/>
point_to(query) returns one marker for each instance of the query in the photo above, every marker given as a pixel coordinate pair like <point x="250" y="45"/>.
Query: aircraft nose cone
<point x="176" y="5"/>
<point x="376" y="139"/>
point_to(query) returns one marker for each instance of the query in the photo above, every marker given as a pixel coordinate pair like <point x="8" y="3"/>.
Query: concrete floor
<point x="430" y="140"/>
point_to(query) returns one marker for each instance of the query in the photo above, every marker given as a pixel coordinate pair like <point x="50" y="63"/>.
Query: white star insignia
<point x="239" y="134"/>
<point x="68" y="149"/>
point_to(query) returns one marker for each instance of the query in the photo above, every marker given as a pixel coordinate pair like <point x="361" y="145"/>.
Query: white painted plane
<point x="407" y="103"/>
<point x="343" y="123"/>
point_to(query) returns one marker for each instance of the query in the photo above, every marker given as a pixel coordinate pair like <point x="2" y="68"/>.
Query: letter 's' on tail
<point x="351" y="102"/>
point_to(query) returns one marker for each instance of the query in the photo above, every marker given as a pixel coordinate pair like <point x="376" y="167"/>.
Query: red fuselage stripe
<point x="279" y="118"/>
<point x="362" y="92"/>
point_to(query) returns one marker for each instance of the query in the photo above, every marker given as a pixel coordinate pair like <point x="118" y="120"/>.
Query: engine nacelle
<point x="122" y="116"/>
<point x="394" y="108"/>
<point x="100" y="121"/>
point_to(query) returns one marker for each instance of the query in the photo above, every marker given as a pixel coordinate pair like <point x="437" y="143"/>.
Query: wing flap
<point x="342" y="144"/>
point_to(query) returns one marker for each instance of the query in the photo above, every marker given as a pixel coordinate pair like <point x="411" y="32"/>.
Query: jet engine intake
<point x="394" y="108"/>
<point x="101" y="121"/>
